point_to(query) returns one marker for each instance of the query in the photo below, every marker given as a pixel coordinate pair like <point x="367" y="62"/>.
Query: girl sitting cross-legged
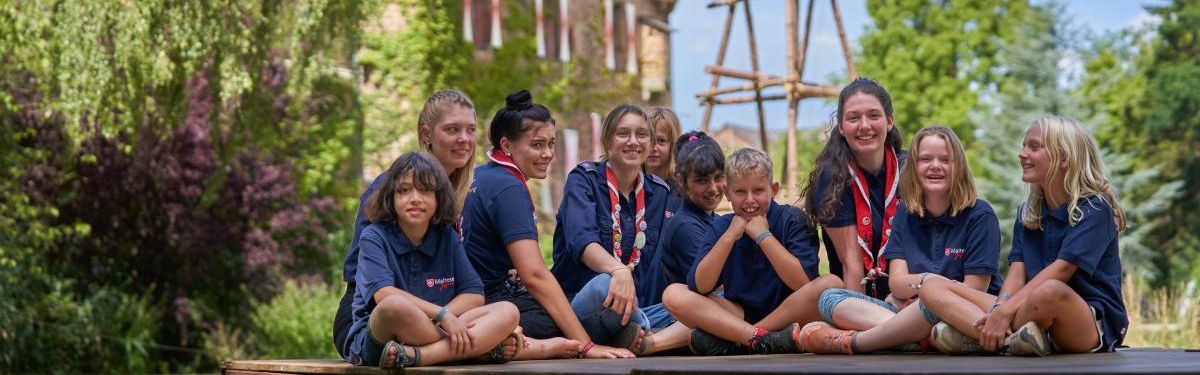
<point x="940" y="229"/>
<point x="1063" y="290"/>
<point x="417" y="300"/>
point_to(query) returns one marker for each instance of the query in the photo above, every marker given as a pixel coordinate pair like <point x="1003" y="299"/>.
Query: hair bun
<point x="519" y="101"/>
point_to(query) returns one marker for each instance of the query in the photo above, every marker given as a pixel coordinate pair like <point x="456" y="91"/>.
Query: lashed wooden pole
<point x="837" y="17"/>
<point x="789" y="162"/>
<point x="708" y="106"/>
<point x="762" y="119"/>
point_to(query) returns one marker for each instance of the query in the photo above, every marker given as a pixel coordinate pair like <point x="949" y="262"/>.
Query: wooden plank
<point x="1136" y="361"/>
<point x="298" y="366"/>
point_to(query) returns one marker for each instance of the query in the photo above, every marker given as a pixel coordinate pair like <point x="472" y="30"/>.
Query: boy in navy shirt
<point x="940" y="228"/>
<point x="414" y="282"/>
<point x="764" y="255"/>
<point x="1064" y="262"/>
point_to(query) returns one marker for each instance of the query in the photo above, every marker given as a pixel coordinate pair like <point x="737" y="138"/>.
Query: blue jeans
<point x="601" y="323"/>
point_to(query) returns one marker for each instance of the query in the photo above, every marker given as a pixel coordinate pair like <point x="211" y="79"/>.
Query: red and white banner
<point x="496" y="42"/>
<point x="468" y="22"/>
<point x="564" y="43"/>
<point x="610" y="55"/>
<point x="631" y="61"/>
<point x="541" y="29"/>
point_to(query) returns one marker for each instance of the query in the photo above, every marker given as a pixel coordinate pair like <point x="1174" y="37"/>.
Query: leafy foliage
<point x="937" y="56"/>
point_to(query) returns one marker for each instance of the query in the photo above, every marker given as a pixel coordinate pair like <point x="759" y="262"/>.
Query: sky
<point x="697" y="37"/>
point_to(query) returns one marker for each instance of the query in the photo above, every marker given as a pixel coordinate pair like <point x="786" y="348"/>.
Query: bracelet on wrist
<point x="586" y="348"/>
<point x="762" y="237"/>
<point x="922" y="281"/>
<point x="441" y="314"/>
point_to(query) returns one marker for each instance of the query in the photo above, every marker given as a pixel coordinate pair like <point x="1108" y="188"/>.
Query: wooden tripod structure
<point x="794" y="88"/>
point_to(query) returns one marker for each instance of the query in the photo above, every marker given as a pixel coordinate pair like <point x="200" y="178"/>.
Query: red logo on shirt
<point x="958" y="254"/>
<point x="441" y="283"/>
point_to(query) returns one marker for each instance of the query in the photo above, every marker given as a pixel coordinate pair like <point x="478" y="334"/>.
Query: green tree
<point x="1172" y="124"/>
<point x="936" y="57"/>
<point x="1031" y="85"/>
<point x="1143" y="83"/>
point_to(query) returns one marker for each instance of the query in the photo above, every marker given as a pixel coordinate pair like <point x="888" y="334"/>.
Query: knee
<point x="934" y="287"/>
<point x="601" y="279"/>
<point x="674" y="297"/>
<point x="506" y="312"/>
<point x="397" y="309"/>
<point x="597" y="285"/>
<point x="1051" y="291"/>
<point x="829" y="299"/>
<point x="828" y="282"/>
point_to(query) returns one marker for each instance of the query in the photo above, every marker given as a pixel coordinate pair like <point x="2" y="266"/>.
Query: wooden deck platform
<point x="1128" y="361"/>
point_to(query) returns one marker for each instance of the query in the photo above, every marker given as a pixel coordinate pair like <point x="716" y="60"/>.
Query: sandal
<point x="402" y="359"/>
<point x="496" y="355"/>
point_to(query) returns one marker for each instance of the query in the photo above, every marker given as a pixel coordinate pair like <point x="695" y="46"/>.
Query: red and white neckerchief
<point x="876" y="266"/>
<point x="498" y="157"/>
<point x="639" y="222"/>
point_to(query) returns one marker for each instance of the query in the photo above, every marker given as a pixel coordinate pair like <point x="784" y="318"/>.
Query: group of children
<point x="445" y="264"/>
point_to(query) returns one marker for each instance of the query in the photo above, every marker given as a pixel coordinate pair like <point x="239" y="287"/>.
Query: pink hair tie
<point x="693" y="138"/>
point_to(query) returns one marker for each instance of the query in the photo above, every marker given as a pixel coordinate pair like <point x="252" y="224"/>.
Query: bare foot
<point x="510" y="346"/>
<point x="556" y="347"/>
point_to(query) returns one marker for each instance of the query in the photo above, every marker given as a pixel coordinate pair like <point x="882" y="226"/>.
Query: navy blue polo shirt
<point x="584" y="216"/>
<point x="498" y="211"/>
<point x="360" y="223"/>
<point x="748" y="276"/>
<point x="682" y="236"/>
<point x="949" y="245"/>
<point x="845" y="216"/>
<point x="435" y="271"/>
<point x="1091" y="245"/>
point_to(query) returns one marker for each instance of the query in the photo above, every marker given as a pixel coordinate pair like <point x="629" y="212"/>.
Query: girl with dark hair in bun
<point x="501" y="234"/>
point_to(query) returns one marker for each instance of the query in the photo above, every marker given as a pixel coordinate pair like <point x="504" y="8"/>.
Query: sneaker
<point x="778" y="342"/>
<point x="951" y="341"/>
<point x="1029" y="340"/>
<point x="821" y="338"/>
<point x="704" y="343"/>
<point x="922" y="346"/>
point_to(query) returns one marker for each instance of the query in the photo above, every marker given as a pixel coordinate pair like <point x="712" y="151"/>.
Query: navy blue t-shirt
<point x="435" y="271"/>
<point x="845" y="216"/>
<point x="498" y="211"/>
<point x="682" y="236"/>
<point x="1091" y="245"/>
<point x="951" y="246"/>
<point x="360" y="223"/>
<point x="748" y="276"/>
<point x="584" y="217"/>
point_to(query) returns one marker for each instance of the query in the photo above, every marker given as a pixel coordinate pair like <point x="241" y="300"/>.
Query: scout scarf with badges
<point x="876" y="266"/>
<point x="639" y="222"/>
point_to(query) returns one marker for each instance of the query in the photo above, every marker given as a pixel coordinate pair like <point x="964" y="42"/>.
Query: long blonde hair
<point x="659" y="115"/>
<point x="962" y="186"/>
<point x="431" y="113"/>
<point x="1066" y="139"/>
